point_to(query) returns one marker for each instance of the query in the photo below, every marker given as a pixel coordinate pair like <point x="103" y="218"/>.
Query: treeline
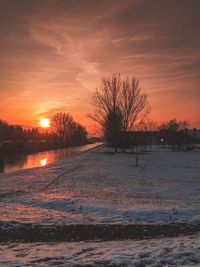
<point x="121" y="110"/>
<point x="177" y="135"/>
<point x="9" y="132"/>
<point x="174" y="134"/>
<point x="64" y="131"/>
<point x="67" y="131"/>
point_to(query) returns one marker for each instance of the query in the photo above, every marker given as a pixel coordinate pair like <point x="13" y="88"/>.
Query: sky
<point x="54" y="52"/>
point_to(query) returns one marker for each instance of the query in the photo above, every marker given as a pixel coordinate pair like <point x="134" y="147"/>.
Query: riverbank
<point x="100" y="195"/>
<point x="18" y="150"/>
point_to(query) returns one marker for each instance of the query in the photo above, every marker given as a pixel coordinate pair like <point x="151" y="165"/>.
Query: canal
<point x="21" y="162"/>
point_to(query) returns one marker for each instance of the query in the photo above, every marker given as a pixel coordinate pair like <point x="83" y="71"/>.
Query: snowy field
<point x="100" y="187"/>
<point x="153" y="253"/>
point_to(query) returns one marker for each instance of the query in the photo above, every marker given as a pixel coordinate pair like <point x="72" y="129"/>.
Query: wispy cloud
<point x="53" y="53"/>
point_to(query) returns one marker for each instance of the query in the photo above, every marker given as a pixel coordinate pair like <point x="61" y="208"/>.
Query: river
<point x="21" y="162"/>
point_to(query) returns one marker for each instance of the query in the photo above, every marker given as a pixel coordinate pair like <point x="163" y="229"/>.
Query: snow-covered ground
<point x="153" y="253"/>
<point x="101" y="187"/>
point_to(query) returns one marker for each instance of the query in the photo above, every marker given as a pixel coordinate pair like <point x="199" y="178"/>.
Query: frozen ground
<point x="153" y="253"/>
<point x="101" y="187"/>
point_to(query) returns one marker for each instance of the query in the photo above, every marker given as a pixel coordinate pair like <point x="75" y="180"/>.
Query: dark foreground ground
<point x="103" y="232"/>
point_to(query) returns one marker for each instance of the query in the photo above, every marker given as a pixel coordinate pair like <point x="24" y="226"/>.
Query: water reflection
<point x="39" y="159"/>
<point x="43" y="162"/>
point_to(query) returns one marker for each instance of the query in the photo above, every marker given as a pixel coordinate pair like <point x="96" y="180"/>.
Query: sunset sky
<point x="53" y="52"/>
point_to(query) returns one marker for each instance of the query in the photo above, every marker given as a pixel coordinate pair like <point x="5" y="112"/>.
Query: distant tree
<point x="174" y="125"/>
<point x="3" y="123"/>
<point x="147" y="125"/>
<point x="78" y="134"/>
<point x="62" y="125"/>
<point x="119" y="104"/>
<point x="67" y="130"/>
<point x="174" y="133"/>
<point x="3" y="127"/>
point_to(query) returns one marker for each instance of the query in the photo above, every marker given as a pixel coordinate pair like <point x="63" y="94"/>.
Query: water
<point x="39" y="159"/>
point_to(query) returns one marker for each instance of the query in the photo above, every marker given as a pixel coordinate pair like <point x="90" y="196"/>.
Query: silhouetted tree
<point x="113" y="124"/>
<point x="11" y="132"/>
<point x="67" y="130"/>
<point x="3" y="126"/>
<point x="120" y="103"/>
<point x="61" y="124"/>
<point x="78" y="134"/>
<point x="133" y="103"/>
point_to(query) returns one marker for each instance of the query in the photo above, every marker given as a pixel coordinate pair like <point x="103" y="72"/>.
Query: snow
<point x="101" y="187"/>
<point x="153" y="253"/>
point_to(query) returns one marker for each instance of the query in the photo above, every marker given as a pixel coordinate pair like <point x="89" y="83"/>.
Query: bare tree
<point x="148" y="125"/>
<point x="105" y="99"/>
<point x="61" y="124"/>
<point x="117" y="99"/>
<point x="78" y="134"/>
<point x="133" y="103"/>
<point x="113" y="124"/>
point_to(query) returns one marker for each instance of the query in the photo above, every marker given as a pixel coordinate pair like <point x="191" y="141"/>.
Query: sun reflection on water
<point x="43" y="162"/>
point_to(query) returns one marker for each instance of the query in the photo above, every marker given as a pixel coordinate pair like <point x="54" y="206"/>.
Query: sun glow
<point x="44" y="123"/>
<point x="43" y="162"/>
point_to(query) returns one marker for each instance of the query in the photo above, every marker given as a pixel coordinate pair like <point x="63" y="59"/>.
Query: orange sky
<point x="53" y="53"/>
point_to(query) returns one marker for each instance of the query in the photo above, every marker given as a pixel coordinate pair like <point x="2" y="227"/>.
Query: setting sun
<point x="44" y="123"/>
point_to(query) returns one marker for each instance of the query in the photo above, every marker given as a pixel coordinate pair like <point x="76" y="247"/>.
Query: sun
<point x="44" y="123"/>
